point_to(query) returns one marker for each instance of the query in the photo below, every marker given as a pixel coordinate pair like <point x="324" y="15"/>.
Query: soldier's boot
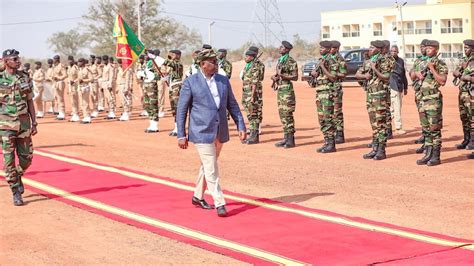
<point x="470" y="146"/>
<point x="282" y="142"/>
<point x="389" y="133"/>
<point x="420" y="140"/>
<point x="427" y="157"/>
<point x="290" y="141"/>
<point x="435" y="158"/>
<point x="373" y="152"/>
<point x="465" y="141"/>
<point x="17" y="199"/>
<point x="421" y="149"/>
<point x="380" y="155"/>
<point x="21" y="187"/>
<point x="340" y="137"/>
<point x="371" y="145"/>
<point x="324" y="145"/>
<point x="331" y="147"/>
<point x="254" y="139"/>
<point x="470" y="156"/>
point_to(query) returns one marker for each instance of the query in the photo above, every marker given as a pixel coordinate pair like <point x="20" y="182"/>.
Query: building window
<point x="445" y="26"/>
<point x="346" y="31"/>
<point x="410" y="51"/>
<point x="325" y="32"/>
<point x="408" y="28"/>
<point x="451" y="25"/>
<point x="424" y="27"/>
<point x="457" y="50"/>
<point x="456" y="25"/>
<point x="355" y="30"/>
<point x="446" y="51"/>
<point x="377" y="29"/>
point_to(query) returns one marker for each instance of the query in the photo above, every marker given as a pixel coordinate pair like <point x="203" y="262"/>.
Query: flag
<point x="129" y="47"/>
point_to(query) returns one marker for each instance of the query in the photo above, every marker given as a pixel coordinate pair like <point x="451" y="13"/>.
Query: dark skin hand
<point x="467" y="52"/>
<point x="441" y="79"/>
<point x="293" y="77"/>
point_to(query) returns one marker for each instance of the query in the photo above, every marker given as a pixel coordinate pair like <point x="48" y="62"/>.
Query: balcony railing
<point x="424" y="31"/>
<point x="355" y="34"/>
<point x="409" y="55"/>
<point x="456" y="29"/>
<point x="445" y="30"/>
<point x="408" y="32"/>
<point x="446" y="55"/>
<point x="377" y="33"/>
<point x="326" y="36"/>
<point x="346" y="34"/>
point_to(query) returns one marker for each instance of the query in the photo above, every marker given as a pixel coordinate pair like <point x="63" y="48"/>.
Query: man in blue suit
<point x="207" y="95"/>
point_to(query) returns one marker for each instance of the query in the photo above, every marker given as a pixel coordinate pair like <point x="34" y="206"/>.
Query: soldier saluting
<point x="17" y="121"/>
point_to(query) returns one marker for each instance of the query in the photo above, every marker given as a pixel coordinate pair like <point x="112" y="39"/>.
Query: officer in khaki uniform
<point x="59" y="76"/>
<point x="94" y="91"/>
<point x="73" y="87"/>
<point x="39" y="78"/>
<point x="84" y="80"/>
<point x="17" y="122"/>
<point x="124" y="86"/>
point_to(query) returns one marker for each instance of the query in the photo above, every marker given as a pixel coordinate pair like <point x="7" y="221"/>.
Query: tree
<point x="68" y="43"/>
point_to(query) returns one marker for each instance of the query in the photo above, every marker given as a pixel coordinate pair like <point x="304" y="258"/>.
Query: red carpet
<point x="284" y="234"/>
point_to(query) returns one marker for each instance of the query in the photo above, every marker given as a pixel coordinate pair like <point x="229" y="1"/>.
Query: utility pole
<point x="210" y="32"/>
<point x="403" y="30"/>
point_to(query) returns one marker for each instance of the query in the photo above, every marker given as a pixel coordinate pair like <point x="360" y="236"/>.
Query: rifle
<point x="275" y="82"/>
<point x="424" y="71"/>
<point x="317" y="67"/>
<point x="158" y="69"/>
<point x="457" y="80"/>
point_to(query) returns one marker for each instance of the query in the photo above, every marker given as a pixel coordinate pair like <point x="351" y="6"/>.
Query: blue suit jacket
<point x="207" y="122"/>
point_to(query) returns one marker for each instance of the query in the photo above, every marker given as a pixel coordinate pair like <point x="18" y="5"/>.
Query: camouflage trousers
<point x="174" y="91"/>
<point x="253" y="105"/>
<point x="286" y="107"/>
<point x="431" y="116"/>
<point x="21" y="143"/>
<point x="150" y="100"/>
<point x="418" y="106"/>
<point x="465" y="111"/>
<point x="338" y="114"/>
<point x="325" y="107"/>
<point x="377" y="109"/>
<point x="389" y="103"/>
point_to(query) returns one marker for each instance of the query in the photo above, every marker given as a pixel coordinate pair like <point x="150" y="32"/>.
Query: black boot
<point x="427" y="157"/>
<point x="372" y="153"/>
<point x="421" y="149"/>
<point x="371" y="145"/>
<point x="324" y="145"/>
<point x="420" y="140"/>
<point x="380" y="155"/>
<point x="290" y="141"/>
<point x="254" y="139"/>
<point x="470" y="146"/>
<point x="340" y="137"/>
<point x="21" y="187"/>
<point x="331" y="147"/>
<point x="470" y="156"/>
<point x="282" y="142"/>
<point x="435" y="158"/>
<point x="465" y="141"/>
<point x="17" y="199"/>
<point x="389" y="133"/>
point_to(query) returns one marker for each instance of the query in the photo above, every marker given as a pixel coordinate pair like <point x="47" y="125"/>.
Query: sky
<point x="25" y="34"/>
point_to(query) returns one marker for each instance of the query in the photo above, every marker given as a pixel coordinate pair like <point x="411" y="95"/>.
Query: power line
<point x="38" y="21"/>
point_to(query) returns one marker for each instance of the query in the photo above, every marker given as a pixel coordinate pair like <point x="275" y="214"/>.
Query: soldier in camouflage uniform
<point x="223" y="63"/>
<point x="390" y="60"/>
<point x="338" y="92"/>
<point x="431" y="79"/>
<point x="464" y="98"/>
<point x="176" y="80"/>
<point x="17" y="122"/>
<point x="323" y="77"/>
<point x="287" y="71"/>
<point x="260" y="66"/>
<point x="376" y="72"/>
<point x="194" y="67"/>
<point x="150" y="97"/>
<point x="468" y="77"/>
<point x="252" y="87"/>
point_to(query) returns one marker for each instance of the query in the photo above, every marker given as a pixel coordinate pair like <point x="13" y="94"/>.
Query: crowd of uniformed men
<point x="94" y="83"/>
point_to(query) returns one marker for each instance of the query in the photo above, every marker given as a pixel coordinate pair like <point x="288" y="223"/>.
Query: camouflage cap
<point x="377" y="44"/>
<point x="336" y="44"/>
<point x="205" y="54"/>
<point x="287" y="45"/>
<point x="469" y="42"/>
<point x="432" y="43"/>
<point x="10" y="52"/>
<point x="325" y="44"/>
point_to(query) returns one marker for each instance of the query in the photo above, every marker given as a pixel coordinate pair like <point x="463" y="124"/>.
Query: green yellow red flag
<point x="129" y="47"/>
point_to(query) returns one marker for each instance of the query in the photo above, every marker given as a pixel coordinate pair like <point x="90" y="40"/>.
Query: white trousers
<point x="209" y="172"/>
<point x="396" y="108"/>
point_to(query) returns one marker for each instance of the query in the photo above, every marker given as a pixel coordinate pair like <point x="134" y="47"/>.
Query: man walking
<point x="398" y="88"/>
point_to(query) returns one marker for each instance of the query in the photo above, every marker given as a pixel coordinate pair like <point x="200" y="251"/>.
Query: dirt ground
<point x="396" y="190"/>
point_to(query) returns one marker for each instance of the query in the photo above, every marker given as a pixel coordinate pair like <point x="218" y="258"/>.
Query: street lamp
<point x="210" y="34"/>
<point x="401" y="22"/>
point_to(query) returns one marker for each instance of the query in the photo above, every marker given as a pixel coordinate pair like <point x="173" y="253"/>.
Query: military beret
<point x="423" y="42"/>
<point x="92" y="56"/>
<point x="197" y="51"/>
<point x="26" y="65"/>
<point x="176" y="51"/>
<point x="105" y="57"/>
<point x="10" y="52"/>
<point x="38" y="63"/>
<point x="336" y="44"/>
<point x="254" y="48"/>
<point x="156" y="52"/>
<point x="469" y="42"/>
<point x="70" y="57"/>
<point x="205" y="54"/>
<point x="86" y="61"/>
<point x="50" y="61"/>
<point x="325" y="44"/>
<point x="81" y="60"/>
<point x="111" y="59"/>
<point x="432" y="43"/>
<point x="56" y="57"/>
<point x="119" y="61"/>
<point x="206" y="46"/>
<point x="387" y="43"/>
<point x="287" y="45"/>
<point x="251" y="53"/>
<point x="222" y="50"/>
<point x="377" y="44"/>
<point x="142" y="56"/>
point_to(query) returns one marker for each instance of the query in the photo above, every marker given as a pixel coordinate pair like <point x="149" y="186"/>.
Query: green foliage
<point x="68" y="43"/>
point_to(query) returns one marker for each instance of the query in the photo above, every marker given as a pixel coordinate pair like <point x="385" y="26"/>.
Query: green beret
<point x="378" y="44"/>
<point x="469" y="42"/>
<point x="205" y="54"/>
<point x="325" y="44"/>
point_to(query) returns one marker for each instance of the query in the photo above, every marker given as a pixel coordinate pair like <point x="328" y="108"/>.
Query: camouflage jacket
<point x="225" y="65"/>
<point x="342" y="65"/>
<point x="15" y="91"/>
<point x="288" y="67"/>
<point x="331" y="65"/>
<point x="430" y="82"/>
<point x="152" y="68"/>
<point x="254" y="73"/>
<point x="468" y="70"/>
<point x="176" y="70"/>
<point x="383" y="65"/>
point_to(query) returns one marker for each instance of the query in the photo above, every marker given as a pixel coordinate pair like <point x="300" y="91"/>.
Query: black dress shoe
<point x="221" y="211"/>
<point x="201" y="203"/>
<point x="151" y="131"/>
